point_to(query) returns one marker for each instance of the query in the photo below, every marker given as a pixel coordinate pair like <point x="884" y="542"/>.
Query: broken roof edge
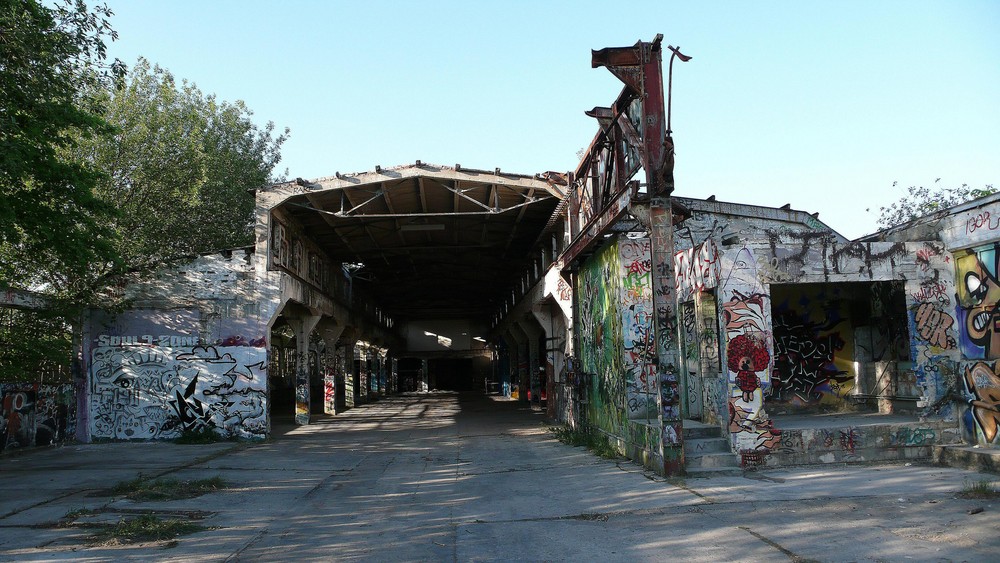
<point x="810" y="220"/>
<point x="929" y="219"/>
<point x="552" y="183"/>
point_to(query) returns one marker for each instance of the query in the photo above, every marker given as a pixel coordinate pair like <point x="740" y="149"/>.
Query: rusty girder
<point x="631" y="137"/>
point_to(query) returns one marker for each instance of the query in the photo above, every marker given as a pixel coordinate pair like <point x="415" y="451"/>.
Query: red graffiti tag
<point x="982" y="221"/>
<point x="932" y="291"/>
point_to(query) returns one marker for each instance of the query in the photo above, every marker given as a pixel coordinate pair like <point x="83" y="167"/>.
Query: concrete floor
<point x="439" y="477"/>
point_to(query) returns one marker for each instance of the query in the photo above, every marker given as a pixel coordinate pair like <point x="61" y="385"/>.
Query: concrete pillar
<point x="505" y="360"/>
<point x="330" y="332"/>
<point x="523" y="361"/>
<point x="302" y="327"/>
<point x="667" y="352"/>
<point x="350" y="377"/>
<point x="533" y="332"/>
<point x="552" y="323"/>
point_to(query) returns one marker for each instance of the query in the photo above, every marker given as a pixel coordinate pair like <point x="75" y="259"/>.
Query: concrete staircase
<point x="707" y="451"/>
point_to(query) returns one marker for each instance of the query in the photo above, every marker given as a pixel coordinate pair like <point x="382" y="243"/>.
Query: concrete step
<point x="695" y="430"/>
<point x="708" y="472"/>
<point x="712" y="460"/>
<point x="706" y="445"/>
<point x="967" y="457"/>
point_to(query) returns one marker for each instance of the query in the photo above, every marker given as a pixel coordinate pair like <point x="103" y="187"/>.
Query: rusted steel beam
<point x="603" y="179"/>
<point x="605" y="174"/>
<point x="593" y="230"/>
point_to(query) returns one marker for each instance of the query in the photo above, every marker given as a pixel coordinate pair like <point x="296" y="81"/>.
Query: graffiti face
<point x="979" y="303"/>
<point x="982" y="304"/>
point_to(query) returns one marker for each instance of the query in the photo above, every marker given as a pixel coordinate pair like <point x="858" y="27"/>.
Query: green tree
<point x="51" y="219"/>
<point x="52" y="223"/>
<point x="920" y="201"/>
<point x="179" y="169"/>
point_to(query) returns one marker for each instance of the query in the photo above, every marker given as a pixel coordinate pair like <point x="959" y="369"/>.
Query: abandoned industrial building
<point x="693" y="333"/>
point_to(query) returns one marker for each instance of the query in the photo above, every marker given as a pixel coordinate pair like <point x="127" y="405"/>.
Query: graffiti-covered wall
<point x="599" y="326"/>
<point x="617" y="347"/>
<point x="150" y="379"/>
<point x="809" y="321"/>
<point x="745" y="322"/>
<point x="638" y="340"/>
<point x="978" y="315"/>
<point x="815" y="362"/>
<point x="32" y="414"/>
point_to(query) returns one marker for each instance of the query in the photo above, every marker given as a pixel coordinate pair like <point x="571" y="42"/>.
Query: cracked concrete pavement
<point x="444" y="477"/>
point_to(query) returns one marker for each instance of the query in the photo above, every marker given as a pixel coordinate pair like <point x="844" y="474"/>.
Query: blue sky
<point x="822" y="105"/>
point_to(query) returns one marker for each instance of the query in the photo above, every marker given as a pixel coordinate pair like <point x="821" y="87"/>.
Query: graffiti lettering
<point x="912" y="437"/>
<point x="564" y="290"/>
<point x="849" y="440"/>
<point x="696" y="269"/>
<point x="924" y="256"/>
<point x="156" y="392"/>
<point x="982" y="221"/>
<point x="933" y="325"/>
<point x="804" y="364"/>
<point x="932" y="291"/>
<point x="147" y="339"/>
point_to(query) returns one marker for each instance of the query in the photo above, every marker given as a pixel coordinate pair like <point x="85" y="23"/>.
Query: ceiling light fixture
<point x="422" y="227"/>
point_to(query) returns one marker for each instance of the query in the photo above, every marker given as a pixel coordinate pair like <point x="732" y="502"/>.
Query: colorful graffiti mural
<point x="147" y="391"/>
<point x="36" y="415"/>
<point x="982" y="389"/>
<point x="696" y="269"/>
<point x="746" y="323"/>
<point x="638" y="340"/>
<point x="978" y="297"/>
<point x="599" y="326"/>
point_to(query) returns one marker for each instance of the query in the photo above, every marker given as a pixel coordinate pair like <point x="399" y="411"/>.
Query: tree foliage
<point x="179" y="168"/>
<point x="920" y="201"/>
<point x="52" y="222"/>
<point x="51" y="219"/>
<point x="104" y="173"/>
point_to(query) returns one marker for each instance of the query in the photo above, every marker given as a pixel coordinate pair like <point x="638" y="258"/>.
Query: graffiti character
<point x="747" y="355"/>
<point x="983" y="385"/>
<point x="979" y="300"/>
